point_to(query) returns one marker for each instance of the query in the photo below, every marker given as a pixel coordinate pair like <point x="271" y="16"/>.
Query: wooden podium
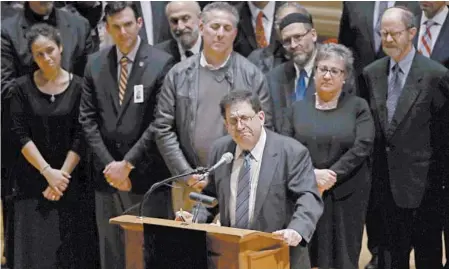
<point x="230" y="248"/>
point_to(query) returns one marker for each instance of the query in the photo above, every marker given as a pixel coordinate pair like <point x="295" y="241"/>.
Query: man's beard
<point x="302" y="59"/>
<point x="186" y="40"/>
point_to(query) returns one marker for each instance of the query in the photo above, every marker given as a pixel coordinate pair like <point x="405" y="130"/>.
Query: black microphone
<point x="209" y="201"/>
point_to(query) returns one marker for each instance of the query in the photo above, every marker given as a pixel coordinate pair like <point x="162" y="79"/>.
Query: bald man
<point x="183" y="18"/>
<point x="407" y="105"/>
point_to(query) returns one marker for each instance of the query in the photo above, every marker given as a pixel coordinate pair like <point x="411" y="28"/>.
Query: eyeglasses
<point x="384" y="34"/>
<point x="334" y="72"/>
<point x="243" y="119"/>
<point x="287" y="43"/>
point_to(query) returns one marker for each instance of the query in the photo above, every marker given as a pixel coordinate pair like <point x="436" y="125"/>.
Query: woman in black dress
<point x="338" y="130"/>
<point x="44" y="111"/>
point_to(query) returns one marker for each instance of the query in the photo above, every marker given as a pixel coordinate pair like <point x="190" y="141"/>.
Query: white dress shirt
<point x="268" y="18"/>
<point x="376" y="11"/>
<point x="147" y="14"/>
<point x="204" y="63"/>
<point x="256" y="160"/>
<point x="439" y="18"/>
<point x="195" y="49"/>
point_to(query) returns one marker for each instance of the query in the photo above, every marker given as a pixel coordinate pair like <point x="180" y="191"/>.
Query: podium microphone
<point x="225" y="158"/>
<point x="209" y="201"/>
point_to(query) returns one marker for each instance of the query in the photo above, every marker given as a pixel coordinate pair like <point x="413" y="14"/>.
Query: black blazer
<point x="281" y="83"/>
<point x="246" y="42"/>
<point x="117" y="132"/>
<point x="171" y="47"/>
<point x="268" y="58"/>
<point x="356" y="30"/>
<point x="404" y="151"/>
<point x="161" y="28"/>
<point x="440" y="52"/>
<point x="16" y="57"/>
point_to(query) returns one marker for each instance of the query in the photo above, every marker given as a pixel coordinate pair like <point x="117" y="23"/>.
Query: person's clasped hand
<point x="290" y="236"/>
<point x="194" y="181"/>
<point x="58" y="180"/>
<point x="325" y="178"/>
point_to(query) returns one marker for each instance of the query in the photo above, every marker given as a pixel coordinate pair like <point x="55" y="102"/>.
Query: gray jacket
<point x="175" y="121"/>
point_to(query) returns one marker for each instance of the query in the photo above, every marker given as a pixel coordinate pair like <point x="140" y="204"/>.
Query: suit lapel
<point x="288" y="84"/>
<point x="268" y="167"/>
<point x="225" y="183"/>
<point x="110" y="77"/>
<point x="175" y="50"/>
<point x="418" y="27"/>
<point x="380" y="91"/>
<point x="139" y="66"/>
<point x="247" y="25"/>
<point x="408" y="96"/>
<point x="439" y="53"/>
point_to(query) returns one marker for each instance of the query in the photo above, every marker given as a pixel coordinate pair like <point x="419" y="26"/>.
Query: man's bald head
<point x="183" y="18"/>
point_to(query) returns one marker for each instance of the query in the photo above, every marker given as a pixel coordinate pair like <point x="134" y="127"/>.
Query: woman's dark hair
<point x="45" y="30"/>
<point x="239" y="96"/>
<point x="113" y="8"/>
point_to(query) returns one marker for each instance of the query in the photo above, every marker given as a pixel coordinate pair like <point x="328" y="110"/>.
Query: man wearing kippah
<point x="291" y="81"/>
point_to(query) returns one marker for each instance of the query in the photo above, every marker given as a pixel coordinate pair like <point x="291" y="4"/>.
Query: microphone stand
<point x="156" y="185"/>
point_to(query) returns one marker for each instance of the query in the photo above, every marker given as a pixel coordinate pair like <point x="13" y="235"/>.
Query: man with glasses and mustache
<point x="184" y="19"/>
<point x="187" y="117"/>
<point x="407" y="103"/>
<point x="291" y="81"/>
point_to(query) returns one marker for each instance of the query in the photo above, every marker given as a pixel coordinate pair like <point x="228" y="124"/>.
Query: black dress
<point x="340" y="139"/>
<point x="48" y="234"/>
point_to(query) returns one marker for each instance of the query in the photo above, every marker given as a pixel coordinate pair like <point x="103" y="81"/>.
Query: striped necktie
<point x="123" y="78"/>
<point x="243" y="191"/>
<point x="426" y="39"/>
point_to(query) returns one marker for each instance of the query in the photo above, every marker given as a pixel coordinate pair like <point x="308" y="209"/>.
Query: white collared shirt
<point x="131" y="57"/>
<point x="435" y="30"/>
<point x="195" y="49"/>
<point x="308" y="68"/>
<point x="256" y="161"/>
<point x="147" y="14"/>
<point x="204" y="63"/>
<point x="268" y="17"/>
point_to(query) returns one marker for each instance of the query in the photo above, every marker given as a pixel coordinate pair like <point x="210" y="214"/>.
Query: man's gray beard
<point x="192" y="40"/>
<point x="302" y="60"/>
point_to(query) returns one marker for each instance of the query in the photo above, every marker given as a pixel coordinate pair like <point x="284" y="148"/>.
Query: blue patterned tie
<point x="301" y="88"/>
<point x="243" y="190"/>
<point x="394" y="91"/>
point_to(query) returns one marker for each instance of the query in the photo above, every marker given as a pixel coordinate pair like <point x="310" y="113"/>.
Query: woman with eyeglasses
<point x="49" y="213"/>
<point x="338" y="130"/>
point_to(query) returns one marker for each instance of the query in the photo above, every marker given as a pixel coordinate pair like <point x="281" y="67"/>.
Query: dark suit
<point x="404" y="160"/>
<point x="246" y="42"/>
<point x="440" y="52"/>
<point x="161" y="29"/>
<point x="170" y="47"/>
<point x="268" y="58"/>
<point x="118" y="133"/>
<point x="356" y="30"/>
<point x="286" y="196"/>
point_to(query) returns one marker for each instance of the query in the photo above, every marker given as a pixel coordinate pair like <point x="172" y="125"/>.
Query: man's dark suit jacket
<point x="287" y="195"/>
<point x="440" y="52"/>
<point x="404" y="151"/>
<point x="356" y="30"/>
<point x="268" y="58"/>
<point x="245" y="43"/>
<point x="281" y="83"/>
<point x="117" y="132"/>
<point x="161" y="28"/>
<point x="170" y="47"/>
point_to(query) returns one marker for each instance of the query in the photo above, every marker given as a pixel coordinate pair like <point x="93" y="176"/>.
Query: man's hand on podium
<point x="290" y="236"/>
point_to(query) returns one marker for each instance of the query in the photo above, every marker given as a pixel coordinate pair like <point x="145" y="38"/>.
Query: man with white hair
<point x="184" y="19"/>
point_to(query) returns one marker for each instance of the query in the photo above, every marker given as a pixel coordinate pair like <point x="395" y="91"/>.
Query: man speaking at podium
<point x="270" y="185"/>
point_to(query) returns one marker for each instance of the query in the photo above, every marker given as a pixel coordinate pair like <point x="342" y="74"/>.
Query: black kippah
<point x="294" y="18"/>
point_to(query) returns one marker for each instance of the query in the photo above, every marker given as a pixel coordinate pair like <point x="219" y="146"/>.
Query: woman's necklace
<point x="53" y="78"/>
